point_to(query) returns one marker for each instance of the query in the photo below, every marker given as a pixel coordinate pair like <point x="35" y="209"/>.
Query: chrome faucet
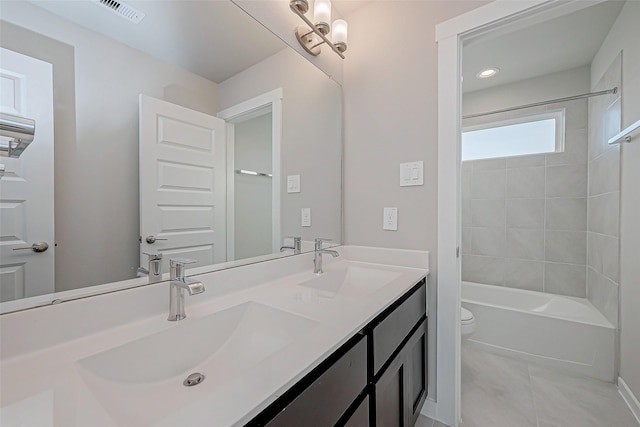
<point x="317" y="261"/>
<point x="154" y="271"/>
<point x="297" y="245"/>
<point x="178" y="284"/>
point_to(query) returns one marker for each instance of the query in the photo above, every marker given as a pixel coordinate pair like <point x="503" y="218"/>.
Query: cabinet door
<point x="416" y="365"/>
<point x="360" y="417"/>
<point x="324" y="402"/>
<point x="390" y="395"/>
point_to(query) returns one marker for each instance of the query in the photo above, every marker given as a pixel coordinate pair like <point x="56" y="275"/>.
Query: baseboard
<point x="630" y="398"/>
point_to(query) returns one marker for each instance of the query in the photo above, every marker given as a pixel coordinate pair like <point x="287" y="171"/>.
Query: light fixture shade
<point x="322" y="15"/>
<point x="340" y="34"/>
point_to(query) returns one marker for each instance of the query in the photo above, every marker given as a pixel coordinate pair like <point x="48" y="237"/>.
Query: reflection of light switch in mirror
<point x="411" y="174"/>
<point x="293" y="183"/>
<point x="390" y="220"/>
<point x="306" y="217"/>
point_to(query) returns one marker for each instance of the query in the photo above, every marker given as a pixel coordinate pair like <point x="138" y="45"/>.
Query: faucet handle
<point x="174" y="262"/>
<point x="153" y="257"/>
<point x="319" y="241"/>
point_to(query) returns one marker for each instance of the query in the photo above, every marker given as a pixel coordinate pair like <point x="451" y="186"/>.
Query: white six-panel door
<point x="26" y="190"/>
<point x="182" y="183"/>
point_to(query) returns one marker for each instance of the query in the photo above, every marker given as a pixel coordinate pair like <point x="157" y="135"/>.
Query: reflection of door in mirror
<point x="26" y="189"/>
<point x="182" y="183"/>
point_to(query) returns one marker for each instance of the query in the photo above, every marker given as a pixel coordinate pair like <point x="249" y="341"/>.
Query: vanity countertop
<point x="52" y="386"/>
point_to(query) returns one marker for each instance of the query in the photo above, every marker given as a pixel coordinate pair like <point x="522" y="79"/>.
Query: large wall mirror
<point x="193" y="132"/>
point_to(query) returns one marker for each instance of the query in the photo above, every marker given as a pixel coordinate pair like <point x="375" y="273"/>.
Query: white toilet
<point x="468" y="323"/>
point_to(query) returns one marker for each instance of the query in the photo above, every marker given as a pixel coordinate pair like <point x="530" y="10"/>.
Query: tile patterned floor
<point x="498" y="391"/>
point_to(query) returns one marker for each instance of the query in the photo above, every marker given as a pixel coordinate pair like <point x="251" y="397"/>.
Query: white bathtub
<point x="552" y="330"/>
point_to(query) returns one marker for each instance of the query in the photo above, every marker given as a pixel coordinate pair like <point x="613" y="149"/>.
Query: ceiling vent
<point x="124" y="10"/>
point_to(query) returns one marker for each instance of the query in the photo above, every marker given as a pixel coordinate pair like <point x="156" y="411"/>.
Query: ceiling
<point x="214" y="39"/>
<point x="559" y="44"/>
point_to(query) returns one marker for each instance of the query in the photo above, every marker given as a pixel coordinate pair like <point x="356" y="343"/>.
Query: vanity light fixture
<point x="488" y="72"/>
<point x="312" y="36"/>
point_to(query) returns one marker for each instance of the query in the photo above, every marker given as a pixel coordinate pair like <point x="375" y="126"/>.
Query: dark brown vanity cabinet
<point x="377" y="379"/>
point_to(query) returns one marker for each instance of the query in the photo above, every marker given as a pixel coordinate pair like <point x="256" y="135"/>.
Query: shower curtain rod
<point x="538" y="104"/>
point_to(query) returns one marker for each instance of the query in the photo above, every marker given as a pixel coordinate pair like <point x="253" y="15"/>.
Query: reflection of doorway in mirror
<point x="26" y="190"/>
<point x="253" y="176"/>
<point x="252" y="186"/>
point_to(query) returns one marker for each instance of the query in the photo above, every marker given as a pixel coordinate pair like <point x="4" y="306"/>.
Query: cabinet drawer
<point x="360" y="417"/>
<point x="393" y="329"/>
<point x="326" y="399"/>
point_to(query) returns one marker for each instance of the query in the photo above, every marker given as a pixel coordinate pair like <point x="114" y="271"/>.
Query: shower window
<point x="519" y="136"/>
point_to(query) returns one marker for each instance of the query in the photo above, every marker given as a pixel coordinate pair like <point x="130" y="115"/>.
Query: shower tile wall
<point x="524" y="218"/>
<point x="604" y="196"/>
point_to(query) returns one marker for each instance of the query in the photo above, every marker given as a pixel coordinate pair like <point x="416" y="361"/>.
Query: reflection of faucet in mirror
<point x="179" y="283"/>
<point x="154" y="270"/>
<point x="317" y="261"/>
<point x="297" y="245"/>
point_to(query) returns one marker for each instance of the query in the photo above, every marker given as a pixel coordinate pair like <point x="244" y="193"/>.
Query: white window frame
<point x="558" y="115"/>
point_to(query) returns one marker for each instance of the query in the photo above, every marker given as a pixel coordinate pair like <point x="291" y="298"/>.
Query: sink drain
<point x="193" y="379"/>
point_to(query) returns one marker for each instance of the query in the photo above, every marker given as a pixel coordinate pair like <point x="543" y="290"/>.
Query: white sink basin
<point x="148" y="373"/>
<point x="351" y="282"/>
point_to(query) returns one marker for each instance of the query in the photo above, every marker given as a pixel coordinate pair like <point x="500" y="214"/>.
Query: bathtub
<point x="551" y="330"/>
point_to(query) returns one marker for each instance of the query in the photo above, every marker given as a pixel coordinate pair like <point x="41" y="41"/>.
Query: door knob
<point x="152" y="239"/>
<point x="36" y="247"/>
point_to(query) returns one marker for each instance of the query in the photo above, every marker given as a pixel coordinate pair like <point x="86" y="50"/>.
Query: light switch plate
<point x="411" y="174"/>
<point x="390" y="219"/>
<point x="305" y="213"/>
<point x="293" y="183"/>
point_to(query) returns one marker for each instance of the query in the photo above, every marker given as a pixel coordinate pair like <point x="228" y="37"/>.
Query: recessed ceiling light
<point x="489" y="72"/>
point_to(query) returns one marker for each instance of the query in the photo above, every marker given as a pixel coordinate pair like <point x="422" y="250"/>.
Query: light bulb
<point x="322" y="15"/>
<point x="340" y="34"/>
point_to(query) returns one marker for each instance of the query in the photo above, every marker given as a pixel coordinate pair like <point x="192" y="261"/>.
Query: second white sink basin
<point x="351" y="282"/>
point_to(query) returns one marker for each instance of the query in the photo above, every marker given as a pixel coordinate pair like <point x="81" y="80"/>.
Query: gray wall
<point x="252" y="194"/>
<point x="524" y="218"/>
<point x="604" y="195"/>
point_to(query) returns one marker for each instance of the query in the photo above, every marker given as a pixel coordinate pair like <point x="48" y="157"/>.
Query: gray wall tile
<point x="488" y="213"/>
<point x="603" y="254"/>
<point x="567" y="181"/>
<point x="525" y="182"/>
<point x="489" y="164"/>
<point x="525" y="213"/>
<point x="604" y="173"/>
<point x="488" y="241"/>
<point x="603" y="294"/>
<point x="565" y="279"/>
<point x="488" y="184"/>
<point x="566" y="214"/>
<point x="529" y="161"/>
<point x="566" y="246"/>
<point x="524" y="274"/>
<point x="466" y="240"/>
<point x="525" y="244"/>
<point x="481" y="269"/>
<point x="604" y="212"/>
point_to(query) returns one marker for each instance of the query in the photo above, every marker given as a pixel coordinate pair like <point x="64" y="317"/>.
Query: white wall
<point x="624" y="36"/>
<point x="311" y="138"/>
<point x="252" y="194"/>
<point x="96" y="164"/>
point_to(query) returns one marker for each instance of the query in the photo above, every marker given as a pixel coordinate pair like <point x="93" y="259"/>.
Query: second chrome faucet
<point x="178" y="285"/>
<point x="317" y="260"/>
